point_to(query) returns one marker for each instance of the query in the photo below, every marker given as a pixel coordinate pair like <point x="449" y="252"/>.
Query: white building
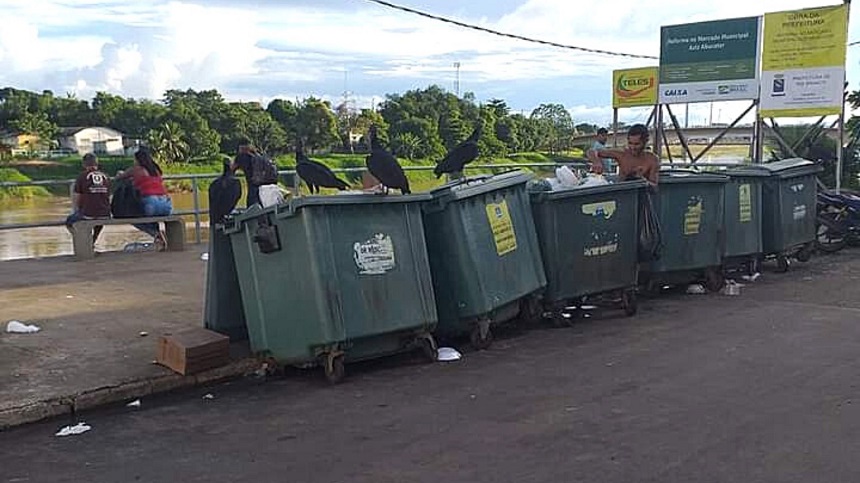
<point x="98" y="140"/>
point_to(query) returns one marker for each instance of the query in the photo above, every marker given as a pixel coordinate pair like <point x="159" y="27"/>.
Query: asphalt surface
<point x="762" y="387"/>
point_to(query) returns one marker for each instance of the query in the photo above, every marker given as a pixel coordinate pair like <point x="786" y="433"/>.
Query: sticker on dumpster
<point x="604" y="209"/>
<point x="602" y="244"/>
<point x="693" y="216"/>
<point x="799" y="212"/>
<point x="797" y="188"/>
<point x="745" y="197"/>
<point x="502" y="227"/>
<point x="375" y="256"/>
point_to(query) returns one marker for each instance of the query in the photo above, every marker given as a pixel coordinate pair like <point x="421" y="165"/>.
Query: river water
<point x="53" y="241"/>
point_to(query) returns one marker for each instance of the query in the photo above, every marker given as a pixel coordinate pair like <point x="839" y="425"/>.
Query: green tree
<point x="431" y="144"/>
<point x="367" y="118"/>
<point x="286" y="114"/>
<point x="167" y="143"/>
<point x="406" y="144"/>
<point x="316" y="124"/>
<point x="202" y="141"/>
<point x="261" y="129"/>
<point x="37" y="124"/>
<point x="555" y="124"/>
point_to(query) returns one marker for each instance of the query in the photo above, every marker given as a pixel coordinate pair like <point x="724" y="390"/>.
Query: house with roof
<point x="16" y="142"/>
<point x="92" y="139"/>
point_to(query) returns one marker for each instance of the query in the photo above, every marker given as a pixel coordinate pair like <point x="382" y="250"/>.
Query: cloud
<point x="256" y="50"/>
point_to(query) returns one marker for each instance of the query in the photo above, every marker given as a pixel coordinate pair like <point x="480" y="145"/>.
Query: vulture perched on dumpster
<point x="224" y="193"/>
<point x="384" y="167"/>
<point x="462" y="154"/>
<point x="316" y="174"/>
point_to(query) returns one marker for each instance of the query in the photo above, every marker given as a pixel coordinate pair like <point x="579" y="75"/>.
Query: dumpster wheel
<point x="429" y="347"/>
<point x="714" y="279"/>
<point x="629" y="303"/>
<point x="481" y="336"/>
<point x="804" y="254"/>
<point x="782" y="263"/>
<point x="334" y="367"/>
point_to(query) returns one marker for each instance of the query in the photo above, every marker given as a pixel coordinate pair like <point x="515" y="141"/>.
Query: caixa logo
<point x="675" y="92"/>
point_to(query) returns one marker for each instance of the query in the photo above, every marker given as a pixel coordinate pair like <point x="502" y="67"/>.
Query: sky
<point x="258" y="50"/>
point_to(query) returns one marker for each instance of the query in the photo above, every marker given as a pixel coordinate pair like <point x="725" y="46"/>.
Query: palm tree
<point x="167" y="143"/>
<point x="406" y="144"/>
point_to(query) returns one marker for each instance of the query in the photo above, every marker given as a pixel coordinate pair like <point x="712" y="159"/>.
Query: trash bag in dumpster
<point x="650" y="237"/>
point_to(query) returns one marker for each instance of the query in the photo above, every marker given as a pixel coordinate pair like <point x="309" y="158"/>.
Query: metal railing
<point x="285" y="175"/>
<point x="289" y="174"/>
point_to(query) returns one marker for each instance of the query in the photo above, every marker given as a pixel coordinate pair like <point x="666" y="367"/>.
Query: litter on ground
<point x="17" y="327"/>
<point x="79" y="428"/>
<point x="448" y="354"/>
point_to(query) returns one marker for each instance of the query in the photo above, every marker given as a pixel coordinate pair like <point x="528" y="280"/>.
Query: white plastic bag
<point x="566" y="177"/>
<point x="594" y="180"/>
<point x="270" y="195"/>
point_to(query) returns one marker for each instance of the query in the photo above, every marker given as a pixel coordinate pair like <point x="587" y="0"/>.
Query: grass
<point x="22" y="192"/>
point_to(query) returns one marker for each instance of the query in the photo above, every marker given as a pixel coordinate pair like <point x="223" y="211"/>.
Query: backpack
<point x="126" y="200"/>
<point x="263" y="170"/>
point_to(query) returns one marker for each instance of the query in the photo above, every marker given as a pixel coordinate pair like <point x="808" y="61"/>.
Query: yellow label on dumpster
<point x="693" y="217"/>
<point x="502" y="227"/>
<point x="745" y="197"/>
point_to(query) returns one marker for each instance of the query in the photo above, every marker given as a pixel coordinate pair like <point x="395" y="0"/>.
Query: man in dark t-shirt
<point x="91" y="196"/>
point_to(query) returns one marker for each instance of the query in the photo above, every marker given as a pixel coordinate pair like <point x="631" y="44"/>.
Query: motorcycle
<point x="837" y="220"/>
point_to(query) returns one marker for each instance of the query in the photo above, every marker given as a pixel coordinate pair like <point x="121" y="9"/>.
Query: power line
<point x="512" y="36"/>
<point x="520" y="37"/>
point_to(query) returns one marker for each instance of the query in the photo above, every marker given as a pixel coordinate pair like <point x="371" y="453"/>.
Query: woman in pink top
<point x="146" y="178"/>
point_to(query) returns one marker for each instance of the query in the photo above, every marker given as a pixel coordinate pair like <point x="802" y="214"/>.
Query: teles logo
<point x="630" y="86"/>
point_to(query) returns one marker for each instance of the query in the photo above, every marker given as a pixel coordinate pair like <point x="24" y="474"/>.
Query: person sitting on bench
<point x="91" y="196"/>
<point x="146" y="177"/>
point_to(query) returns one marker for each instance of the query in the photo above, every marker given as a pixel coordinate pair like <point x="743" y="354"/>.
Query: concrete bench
<point x="82" y="237"/>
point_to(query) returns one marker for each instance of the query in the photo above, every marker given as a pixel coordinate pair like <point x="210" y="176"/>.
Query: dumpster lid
<point x="670" y="176"/>
<point x="356" y="199"/>
<point x="294" y="204"/>
<point x="789" y="168"/>
<point x="750" y="171"/>
<point x="478" y="185"/>
<point x="574" y="192"/>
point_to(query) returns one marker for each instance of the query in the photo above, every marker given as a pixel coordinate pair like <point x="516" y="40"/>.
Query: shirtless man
<point x="633" y="162"/>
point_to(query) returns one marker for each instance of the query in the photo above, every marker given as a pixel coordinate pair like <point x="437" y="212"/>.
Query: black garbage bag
<point x="266" y="236"/>
<point x="650" y="235"/>
<point x="126" y="200"/>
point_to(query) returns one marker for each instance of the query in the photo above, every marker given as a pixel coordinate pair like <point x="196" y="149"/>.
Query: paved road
<point x="757" y="388"/>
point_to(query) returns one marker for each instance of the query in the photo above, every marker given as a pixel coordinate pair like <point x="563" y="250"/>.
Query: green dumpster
<point x="690" y="209"/>
<point x="484" y="254"/>
<point x="334" y="278"/>
<point x="743" y="218"/>
<point x="588" y="239"/>
<point x="789" y="209"/>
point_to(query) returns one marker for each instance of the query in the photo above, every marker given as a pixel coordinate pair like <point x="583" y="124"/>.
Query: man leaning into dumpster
<point x="634" y="161"/>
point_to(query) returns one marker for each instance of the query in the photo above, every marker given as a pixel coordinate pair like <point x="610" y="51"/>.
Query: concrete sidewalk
<point x="93" y="314"/>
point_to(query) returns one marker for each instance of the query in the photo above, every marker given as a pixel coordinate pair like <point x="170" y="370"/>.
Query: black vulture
<point x="224" y="193"/>
<point x="462" y="154"/>
<point x="316" y="174"/>
<point x="384" y="167"/>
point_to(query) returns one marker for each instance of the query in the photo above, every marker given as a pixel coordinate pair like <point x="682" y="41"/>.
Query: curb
<point x="67" y="405"/>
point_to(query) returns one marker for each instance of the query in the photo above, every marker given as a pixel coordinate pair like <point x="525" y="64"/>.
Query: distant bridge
<point x="737" y="136"/>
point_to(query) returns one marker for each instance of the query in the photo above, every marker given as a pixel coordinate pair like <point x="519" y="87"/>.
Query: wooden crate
<point x="194" y="350"/>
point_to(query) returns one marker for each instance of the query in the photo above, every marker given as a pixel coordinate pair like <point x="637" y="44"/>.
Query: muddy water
<point x="53" y="241"/>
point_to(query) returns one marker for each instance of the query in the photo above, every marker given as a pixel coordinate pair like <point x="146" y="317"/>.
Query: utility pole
<point x="457" y="81"/>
